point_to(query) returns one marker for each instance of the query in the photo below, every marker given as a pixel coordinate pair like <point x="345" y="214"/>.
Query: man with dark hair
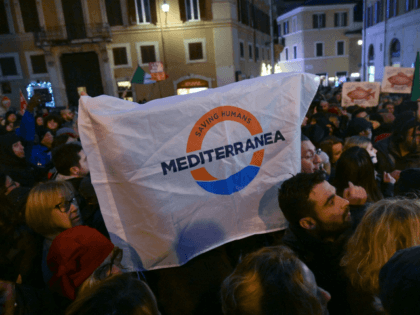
<point x="402" y="149"/>
<point x="70" y="161"/>
<point x="273" y="280"/>
<point x="310" y="160"/>
<point x="320" y="223"/>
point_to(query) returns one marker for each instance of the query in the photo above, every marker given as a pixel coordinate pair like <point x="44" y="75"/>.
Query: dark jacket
<point x="390" y="159"/>
<point x="323" y="259"/>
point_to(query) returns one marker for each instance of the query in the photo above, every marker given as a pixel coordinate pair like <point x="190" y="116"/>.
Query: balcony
<point x="73" y="34"/>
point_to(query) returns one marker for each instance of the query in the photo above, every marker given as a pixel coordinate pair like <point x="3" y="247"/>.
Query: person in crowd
<point x="119" y="294"/>
<point x="323" y="107"/>
<point x="359" y="127"/>
<point x="402" y="149"/>
<point x="399" y="283"/>
<point x="310" y="160"/>
<point x="51" y="208"/>
<point x="67" y="116"/>
<point x="71" y="163"/>
<point x="10" y="117"/>
<point x="320" y="223"/>
<point x="388" y="226"/>
<point x="52" y="123"/>
<point x="333" y="146"/>
<point x="41" y="153"/>
<point x="79" y="258"/>
<point x="355" y="165"/>
<point x="273" y="280"/>
<point x="14" y="164"/>
<point x="389" y="106"/>
<point x="408" y="185"/>
<point x="362" y="142"/>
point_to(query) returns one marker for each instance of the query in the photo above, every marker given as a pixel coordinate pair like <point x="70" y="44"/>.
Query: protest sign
<point x="182" y="175"/>
<point x="397" y="80"/>
<point x="360" y="93"/>
<point x="157" y="71"/>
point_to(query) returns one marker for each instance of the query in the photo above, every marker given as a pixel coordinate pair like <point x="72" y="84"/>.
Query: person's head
<point x="39" y="120"/>
<point x="273" y="280"/>
<point x="62" y="139"/>
<point x="52" y="208"/>
<point x="67" y="114"/>
<point x="361" y="113"/>
<point x="10" y="117"/>
<point x="323" y="107"/>
<point x="310" y="202"/>
<point x="52" y="122"/>
<point x="80" y="257"/>
<point x="11" y="147"/>
<point x="310" y="160"/>
<point x="333" y="146"/>
<point x="355" y="165"/>
<point x="387" y="226"/>
<point x="389" y="107"/>
<point x="363" y="142"/>
<point x="46" y="138"/>
<point x="399" y="282"/>
<point x="406" y="131"/>
<point x="359" y="127"/>
<point x="70" y="160"/>
<point x="116" y="295"/>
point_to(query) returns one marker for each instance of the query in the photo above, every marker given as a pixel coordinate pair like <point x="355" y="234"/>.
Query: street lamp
<point x="360" y="42"/>
<point x="165" y="6"/>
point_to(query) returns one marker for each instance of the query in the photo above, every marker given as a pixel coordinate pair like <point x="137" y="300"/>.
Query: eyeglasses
<point x="65" y="205"/>
<point x="311" y="155"/>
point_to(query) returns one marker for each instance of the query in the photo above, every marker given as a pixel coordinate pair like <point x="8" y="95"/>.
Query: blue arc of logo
<point x="232" y="184"/>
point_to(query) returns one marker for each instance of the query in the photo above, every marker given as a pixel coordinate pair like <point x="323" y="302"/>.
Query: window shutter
<point x="315" y="21"/>
<point x="132" y="14"/>
<point x="205" y="10"/>
<point x="182" y="11"/>
<point x="336" y="20"/>
<point x="153" y="14"/>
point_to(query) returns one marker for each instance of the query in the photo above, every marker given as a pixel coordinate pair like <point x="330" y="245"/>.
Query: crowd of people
<point x="352" y="245"/>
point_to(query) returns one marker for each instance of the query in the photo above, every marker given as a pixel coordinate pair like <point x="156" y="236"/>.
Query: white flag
<point x="182" y="175"/>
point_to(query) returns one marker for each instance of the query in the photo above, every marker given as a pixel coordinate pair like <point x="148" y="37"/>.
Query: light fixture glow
<point x="360" y="42"/>
<point x="165" y="7"/>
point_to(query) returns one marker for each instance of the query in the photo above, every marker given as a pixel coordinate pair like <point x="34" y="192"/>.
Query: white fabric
<point x="172" y="218"/>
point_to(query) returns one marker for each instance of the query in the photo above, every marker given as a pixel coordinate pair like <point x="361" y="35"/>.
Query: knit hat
<point x="67" y="131"/>
<point x="399" y="282"/>
<point x="73" y="256"/>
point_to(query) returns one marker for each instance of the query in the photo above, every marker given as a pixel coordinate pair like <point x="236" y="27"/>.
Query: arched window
<point x="371" y="64"/>
<point x="395" y="52"/>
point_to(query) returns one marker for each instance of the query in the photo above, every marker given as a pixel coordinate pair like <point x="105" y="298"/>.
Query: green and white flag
<point x="141" y="77"/>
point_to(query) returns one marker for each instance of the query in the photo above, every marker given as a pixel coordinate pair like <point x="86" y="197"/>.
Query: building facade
<point x="322" y="39"/>
<point x="391" y="36"/>
<point x="96" y="45"/>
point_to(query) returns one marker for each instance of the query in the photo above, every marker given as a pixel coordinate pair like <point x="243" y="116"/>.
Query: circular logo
<point x="244" y="177"/>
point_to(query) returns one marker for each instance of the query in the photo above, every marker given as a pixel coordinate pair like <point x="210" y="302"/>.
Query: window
<point x="262" y="53"/>
<point x="319" y="49"/>
<point x="195" y="50"/>
<point x="4" y="24"/>
<point x="113" y="12"/>
<point x="378" y="14"/>
<point x="286" y="27"/>
<point x="294" y="24"/>
<point x="340" y="48"/>
<point x="371" y="64"/>
<point x="250" y="48"/>
<point x="257" y="53"/>
<point x="241" y="50"/>
<point x="10" y="66"/>
<point x="29" y="15"/>
<point x="340" y="19"/>
<point x="417" y="4"/>
<point x="286" y="53"/>
<point x="38" y="64"/>
<point x="268" y="54"/>
<point x="294" y="52"/>
<point x="410" y="5"/>
<point x="318" y="20"/>
<point x="119" y="55"/>
<point x="147" y="52"/>
<point x="395" y="52"/>
<point x="279" y="29"/>
<point x="143" y="11"/>
<point x="192" y="9"/>
<point x="392" y="8"/>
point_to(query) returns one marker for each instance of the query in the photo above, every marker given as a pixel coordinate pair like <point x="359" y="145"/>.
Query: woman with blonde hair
<point x="51" y="208"/>
<point x="388" y="226"/>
